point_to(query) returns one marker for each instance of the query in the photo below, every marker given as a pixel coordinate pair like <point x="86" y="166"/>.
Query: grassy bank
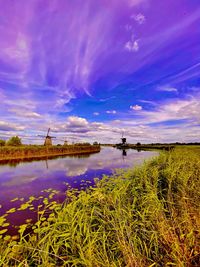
<point x="36" y="151"/>
<point x="146" y="147"/>
<point x="148" y="216"/>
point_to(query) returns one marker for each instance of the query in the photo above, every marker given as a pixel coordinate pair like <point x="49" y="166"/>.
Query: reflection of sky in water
<point x="108" y="158"/>
<point x="30" y="178"/>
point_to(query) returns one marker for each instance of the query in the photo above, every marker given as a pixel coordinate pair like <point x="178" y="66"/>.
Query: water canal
<point x="25" y="185"/>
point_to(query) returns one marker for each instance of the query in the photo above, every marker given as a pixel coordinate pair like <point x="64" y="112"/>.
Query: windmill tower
<point x="123" y="139"/>
<point x="48" y="139"/>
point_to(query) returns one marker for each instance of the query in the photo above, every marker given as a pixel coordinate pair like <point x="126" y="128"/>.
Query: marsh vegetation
<point x="35" y="151"/>
<point x="146" y="216"/>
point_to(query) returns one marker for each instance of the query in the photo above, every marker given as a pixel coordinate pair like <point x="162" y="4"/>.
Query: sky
<point x="93" y="70"/>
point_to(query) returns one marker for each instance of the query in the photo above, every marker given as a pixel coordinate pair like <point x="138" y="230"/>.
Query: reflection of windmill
<point x="48" y="139"/>
<point x="124" y="154"/>
<point x="47" y="165"/>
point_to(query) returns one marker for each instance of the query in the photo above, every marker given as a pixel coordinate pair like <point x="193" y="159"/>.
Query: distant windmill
<point x="123" y="139"/>
<point x="63" y="140"/>
<point x="48" y="138"/>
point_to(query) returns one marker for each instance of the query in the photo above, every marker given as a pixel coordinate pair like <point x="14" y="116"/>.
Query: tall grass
<point x="33" y="151"/>
<point x="147" y="216"/>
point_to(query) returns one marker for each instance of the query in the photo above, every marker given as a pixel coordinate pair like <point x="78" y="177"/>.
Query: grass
<point x="148" y="216"/>
<point x="36" y="151"/>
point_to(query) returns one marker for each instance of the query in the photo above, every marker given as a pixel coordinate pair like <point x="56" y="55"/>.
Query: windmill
<point x="66" y="142"/>
<point x="123" y="139"/>
<point x="48" y="138"/>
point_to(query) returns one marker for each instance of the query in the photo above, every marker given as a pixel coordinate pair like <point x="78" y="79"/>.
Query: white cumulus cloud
<point x="75" y="121"/>
<point x="132" y="46"/>
<point x="139" y="18"/>
<point x="8" y="126"/>
<point x="136" y="107"/>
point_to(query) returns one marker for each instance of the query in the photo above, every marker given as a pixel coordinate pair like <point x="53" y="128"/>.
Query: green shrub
<point x="14" y="141"/>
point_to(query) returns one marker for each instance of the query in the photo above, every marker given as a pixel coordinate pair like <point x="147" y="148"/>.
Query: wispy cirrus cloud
<point x="84" y="74"/>
<point x="167" y="88"/>
<point x="111" y="111"/>
<point x="20" y="112"/>
<point x="176" y="109"/>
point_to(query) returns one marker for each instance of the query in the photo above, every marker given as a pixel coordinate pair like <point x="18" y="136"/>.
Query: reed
<point x="36" y="151"/>
<point x="146" y="216"/>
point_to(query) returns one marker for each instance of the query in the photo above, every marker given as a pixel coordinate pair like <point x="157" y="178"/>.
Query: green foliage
<point x="95" y="143"/>
<point x="148" y="216"/>
<point x="2" y="142"/>
<point x="14" y="141"/>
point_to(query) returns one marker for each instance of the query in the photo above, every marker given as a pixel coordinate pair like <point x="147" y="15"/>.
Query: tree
<point x="95" y="143"/>
<point x="2" y="142"/>
<point x="14" y="141"/>
<point x="138" y="144"/>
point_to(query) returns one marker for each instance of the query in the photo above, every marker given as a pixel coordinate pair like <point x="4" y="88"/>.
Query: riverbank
<point x="145" y="147"/>
<point x="166" y="147"/>
<point x="36" y="151"/>
<point x="147" y="216"/>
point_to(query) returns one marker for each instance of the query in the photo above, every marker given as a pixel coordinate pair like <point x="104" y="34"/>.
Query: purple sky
<point x="94" y="68"/>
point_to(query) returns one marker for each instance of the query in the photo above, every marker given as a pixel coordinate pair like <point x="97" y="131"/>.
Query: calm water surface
<point x="19" y="182"/>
